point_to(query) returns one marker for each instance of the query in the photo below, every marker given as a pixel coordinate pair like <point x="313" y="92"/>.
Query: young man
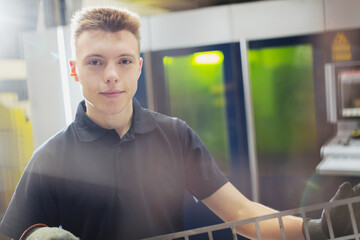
<point x="120" y="171"/>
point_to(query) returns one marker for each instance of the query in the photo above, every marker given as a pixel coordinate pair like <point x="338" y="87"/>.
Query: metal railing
<point x="301" y="212"/>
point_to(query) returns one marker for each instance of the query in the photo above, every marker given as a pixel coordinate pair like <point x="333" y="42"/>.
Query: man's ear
<point x="140" y="65"/>
<point x="73" y="72"/>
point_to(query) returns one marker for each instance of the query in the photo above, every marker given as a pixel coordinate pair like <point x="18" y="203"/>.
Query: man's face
<point x="108" y="67"/>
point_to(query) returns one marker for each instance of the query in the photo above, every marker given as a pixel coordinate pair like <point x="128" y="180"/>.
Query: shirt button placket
<point x="119" y="167"/>
<point x="119" y="146"/>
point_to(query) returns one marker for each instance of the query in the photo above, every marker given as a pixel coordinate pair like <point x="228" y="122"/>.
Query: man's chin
<point x="113" y="111"/>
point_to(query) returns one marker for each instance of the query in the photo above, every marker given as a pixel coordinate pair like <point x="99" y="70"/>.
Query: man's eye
<point x="94" y="62"/>
<point x="125" y="61"/>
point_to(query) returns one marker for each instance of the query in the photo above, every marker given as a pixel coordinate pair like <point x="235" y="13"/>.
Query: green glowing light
<point x="212" y="57"/>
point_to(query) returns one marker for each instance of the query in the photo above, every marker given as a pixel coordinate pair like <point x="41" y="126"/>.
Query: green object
<point x="197" y="95"/>
<point x="283" y="100"/>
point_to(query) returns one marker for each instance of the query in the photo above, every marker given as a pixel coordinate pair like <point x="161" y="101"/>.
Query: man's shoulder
<point x="63" y="134"/>
<point x="57" y="141"/>
<point x="165" y="121"/>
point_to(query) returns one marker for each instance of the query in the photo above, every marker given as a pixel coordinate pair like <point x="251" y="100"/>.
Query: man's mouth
<point x="112" y="93"/>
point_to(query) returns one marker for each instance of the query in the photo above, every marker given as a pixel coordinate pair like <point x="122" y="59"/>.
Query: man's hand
<point x="339" y="215"/>
<point x="42" y="232"/>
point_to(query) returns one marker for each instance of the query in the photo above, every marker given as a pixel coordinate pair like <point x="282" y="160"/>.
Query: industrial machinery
<point x="341" y="154"/>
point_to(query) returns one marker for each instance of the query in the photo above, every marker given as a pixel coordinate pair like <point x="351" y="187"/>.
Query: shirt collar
<point x="88" y="131"/>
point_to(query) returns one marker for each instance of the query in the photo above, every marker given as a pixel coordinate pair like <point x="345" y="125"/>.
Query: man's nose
<point x="111" y="75"/>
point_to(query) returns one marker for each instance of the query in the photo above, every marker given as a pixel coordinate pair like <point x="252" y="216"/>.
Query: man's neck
<point x="121" y="122"/>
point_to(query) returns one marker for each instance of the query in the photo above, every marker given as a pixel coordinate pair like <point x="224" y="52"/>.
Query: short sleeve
<point x="203" y="176"/>
<point x="32" y="202"/>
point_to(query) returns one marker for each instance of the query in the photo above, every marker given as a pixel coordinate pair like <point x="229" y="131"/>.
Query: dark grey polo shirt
<point x="99" y="186"/>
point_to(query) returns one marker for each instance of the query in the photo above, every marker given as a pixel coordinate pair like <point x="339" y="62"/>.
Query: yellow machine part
<point x="16" y="145"/>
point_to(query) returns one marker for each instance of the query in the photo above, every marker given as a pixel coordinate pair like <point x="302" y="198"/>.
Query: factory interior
<point x="272" y="87"/>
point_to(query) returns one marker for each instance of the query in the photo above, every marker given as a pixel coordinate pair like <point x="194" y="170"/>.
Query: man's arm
<point x="231" y="205"/>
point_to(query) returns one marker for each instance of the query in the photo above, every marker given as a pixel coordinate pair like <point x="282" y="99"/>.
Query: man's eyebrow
<point x="127" y="55"/>
<point x="119" y="56"/>
<point x="93" y="55"/>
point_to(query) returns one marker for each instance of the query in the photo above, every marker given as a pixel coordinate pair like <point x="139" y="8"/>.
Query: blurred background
<point x="272" y="87"/>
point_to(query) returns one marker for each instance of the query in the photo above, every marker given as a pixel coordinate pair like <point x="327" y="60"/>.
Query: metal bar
<point x="328" y="221"/>
<point x="348" y="237"/>
<point x="353" y="221"/>
<point x="233" y="230"/>
<point x="282" y="229"/>
<point x="305" y="225"/>
<point x="261" y="218"/>
<point x="210" y="235"/>
<point x="253" y="163"/>
<point x="258" y="230"/>
<point x="330" y="93"/>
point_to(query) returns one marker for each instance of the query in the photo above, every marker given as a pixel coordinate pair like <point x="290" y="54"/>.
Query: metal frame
<point x="331" y="83"/>
<point x="253" y="163"/>
<point x="299" y="212"/>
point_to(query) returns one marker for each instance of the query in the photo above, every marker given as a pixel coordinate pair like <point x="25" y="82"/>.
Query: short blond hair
<point x="108" y="19"/>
